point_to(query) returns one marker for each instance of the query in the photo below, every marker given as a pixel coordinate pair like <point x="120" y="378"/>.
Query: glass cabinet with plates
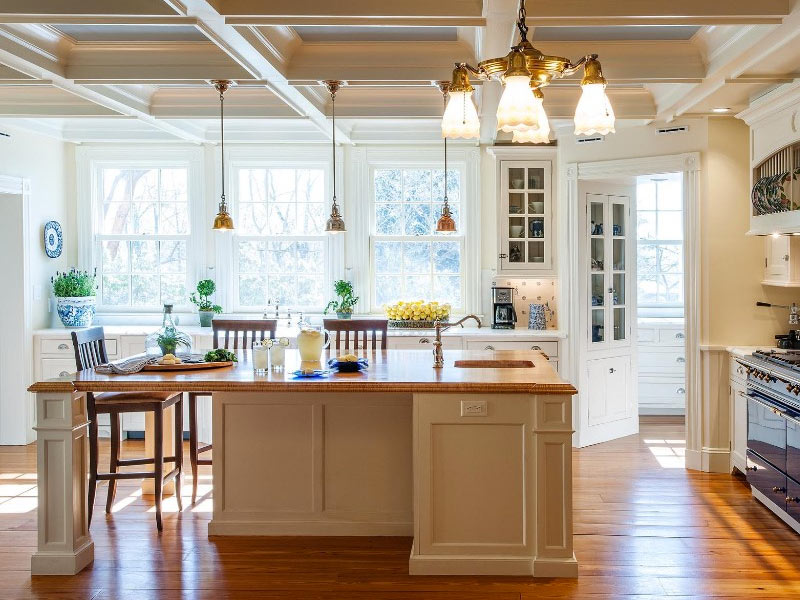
<point x="609" y="271"/>
<point x="525" y="220"/>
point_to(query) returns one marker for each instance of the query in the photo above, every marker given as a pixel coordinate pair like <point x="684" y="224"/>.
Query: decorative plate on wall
<point x="53" y="239"/>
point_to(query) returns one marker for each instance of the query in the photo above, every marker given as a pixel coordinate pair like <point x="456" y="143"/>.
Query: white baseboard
<point x="311" y="528"/>
<point x="62" y="563"/>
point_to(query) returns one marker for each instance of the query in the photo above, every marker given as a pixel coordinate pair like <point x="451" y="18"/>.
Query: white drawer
<point x="671" y="337"/>
<point x="63" y="347"/>
<point x="423" y="342"/>
<point x="57" y="367"/>
<point x="550" y="348"/>
<point x="647" y="335"/>
<point x="672" y="389"/>
<point x="653" y="361"/>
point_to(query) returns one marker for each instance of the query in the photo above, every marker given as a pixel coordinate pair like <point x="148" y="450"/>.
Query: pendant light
<point x="446" y="223"/>
<point x="223" y="221"/>
<point x="536" y="136"/>
<point x="335" y="223"/>
<point x="594" y="113"/>
<point x="460" y="118"/>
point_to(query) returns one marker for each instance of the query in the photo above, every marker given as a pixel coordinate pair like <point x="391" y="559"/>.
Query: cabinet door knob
<point x="753" y="468"/>
<point x="63" y="374"/>
<point x="793" y="499"/>
<point x="489" y="347"/>
<point x="679" y="336"/>
<point x="777" y="489"/>
<point x="424" y="341"/>
<point x="612" y="370"/>
<point x="63" y="347"/>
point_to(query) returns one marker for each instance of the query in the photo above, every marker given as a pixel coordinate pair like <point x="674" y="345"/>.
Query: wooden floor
<point x="645" y="528"/>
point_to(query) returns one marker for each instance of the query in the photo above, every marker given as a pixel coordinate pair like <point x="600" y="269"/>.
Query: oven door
<point x="766" y="429"/>
<point x="766" y="479"/>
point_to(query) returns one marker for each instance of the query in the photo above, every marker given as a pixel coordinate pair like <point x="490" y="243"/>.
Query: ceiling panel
<point x="132" y="33"/>
<point x="626" y="32"/>
<point x="310" y="33"/>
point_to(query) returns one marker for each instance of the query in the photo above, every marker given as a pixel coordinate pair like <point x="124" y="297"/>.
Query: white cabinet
<point x="423" y="342"/>
<point x="782" y="261"/>
<point x="609" y="379"/>
<point x="738" y="412"/>
<point x="662" y="367"/>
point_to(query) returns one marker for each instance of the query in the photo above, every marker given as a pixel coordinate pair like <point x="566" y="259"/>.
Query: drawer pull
<point x="63" y="347"/>
<point x="536" y="348"/>
<point x="753" y="468"/>
<point x="680" y="390"/>
<point x="489" y="347"/>
<point x="680" y="359"/>
<point x="63" y="374"/>
<point x="424" y="341"/>
<point x="679" y="335"/>
<point x="779" y="490"/>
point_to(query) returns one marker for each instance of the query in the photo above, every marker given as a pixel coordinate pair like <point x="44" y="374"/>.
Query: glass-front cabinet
<point x="526" y="226"/>
<point x="607" y="223"/>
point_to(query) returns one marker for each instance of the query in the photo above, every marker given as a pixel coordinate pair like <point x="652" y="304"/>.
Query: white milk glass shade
<point x="535" y="136"/>
<point x="517" y="110"/>
<point x="594" y="113"/>
<point x="460" y="118"/>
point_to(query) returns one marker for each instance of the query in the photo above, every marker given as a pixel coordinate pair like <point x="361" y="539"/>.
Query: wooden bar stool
<point x="239" y="334"/>
<point x="90" y="351"/>
<point x="357" y="327"/>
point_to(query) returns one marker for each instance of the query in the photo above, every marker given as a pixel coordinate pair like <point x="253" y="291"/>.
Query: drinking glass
<point x="260" y="357"/>
<point x="277" y="355"/>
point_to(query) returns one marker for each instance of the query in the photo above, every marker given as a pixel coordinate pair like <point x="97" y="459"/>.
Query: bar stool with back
<point x="90" y="351"/>
<point x="239" y="328"/>
<point x="366" y="329"/>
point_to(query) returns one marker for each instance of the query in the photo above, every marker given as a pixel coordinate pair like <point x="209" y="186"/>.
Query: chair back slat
<point x="245" y="330"/>
<point x="89" y="346"/>
<point x="363" y="331"/>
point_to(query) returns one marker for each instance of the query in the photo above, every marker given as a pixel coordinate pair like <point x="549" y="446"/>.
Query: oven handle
<point x="756" y="397"/>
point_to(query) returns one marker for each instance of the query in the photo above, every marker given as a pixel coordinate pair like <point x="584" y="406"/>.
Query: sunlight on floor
<point x="670" y="454"/>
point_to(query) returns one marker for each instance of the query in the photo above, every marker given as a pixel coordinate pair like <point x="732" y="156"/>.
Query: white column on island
<point x="64" y="546"/>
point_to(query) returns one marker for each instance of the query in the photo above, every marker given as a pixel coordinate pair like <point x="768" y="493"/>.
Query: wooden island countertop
<point x="408" y="371"/>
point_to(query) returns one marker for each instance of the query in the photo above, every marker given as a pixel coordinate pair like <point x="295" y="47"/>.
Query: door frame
<point x="688" y="164"/>
<point x="20" y="188"/>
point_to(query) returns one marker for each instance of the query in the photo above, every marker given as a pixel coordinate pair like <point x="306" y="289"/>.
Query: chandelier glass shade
<point x="523" y="72"/>
<point x="540" y="135"/>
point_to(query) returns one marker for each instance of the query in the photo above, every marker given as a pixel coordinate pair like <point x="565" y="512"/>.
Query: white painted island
<point x="473" y="462"/>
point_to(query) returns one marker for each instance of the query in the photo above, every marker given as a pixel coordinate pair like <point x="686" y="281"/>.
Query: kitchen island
<point x="473" y="461"/>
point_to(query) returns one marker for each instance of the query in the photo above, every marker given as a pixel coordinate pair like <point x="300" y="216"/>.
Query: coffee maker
<point x="503" y="314"/>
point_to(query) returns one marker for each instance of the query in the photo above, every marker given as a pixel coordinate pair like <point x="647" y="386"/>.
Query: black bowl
<point x="348" y="367"/>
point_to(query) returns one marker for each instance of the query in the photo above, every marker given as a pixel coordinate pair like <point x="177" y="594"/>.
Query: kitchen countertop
<point x="745" y="351"/>
<point x="292" y="332"/>
<point x="409" y="371"/>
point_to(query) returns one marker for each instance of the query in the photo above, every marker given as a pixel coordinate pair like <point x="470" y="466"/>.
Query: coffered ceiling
<point x="140" y="69"/>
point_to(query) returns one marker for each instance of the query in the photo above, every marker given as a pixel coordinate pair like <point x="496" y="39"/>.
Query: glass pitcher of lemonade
<point x="311" y="341"/>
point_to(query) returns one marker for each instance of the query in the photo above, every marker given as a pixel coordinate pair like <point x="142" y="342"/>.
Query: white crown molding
<point x="609" y="169"/>
<point x="768" y="105"/>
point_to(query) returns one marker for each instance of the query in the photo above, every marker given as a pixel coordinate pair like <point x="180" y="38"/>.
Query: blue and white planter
<point x="76" y="311"/>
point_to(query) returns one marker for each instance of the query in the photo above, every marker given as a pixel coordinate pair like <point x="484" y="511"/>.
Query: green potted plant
<point x="76" y="301"/>
<point x="205" y="308"/>
<point x="344" y="306"/>
<point x="171" y="339"/>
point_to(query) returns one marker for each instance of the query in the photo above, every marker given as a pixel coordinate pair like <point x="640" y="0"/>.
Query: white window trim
<point x="363" y="163"/>
<point x="90" y="159"/>
<point x="276" y="157"/>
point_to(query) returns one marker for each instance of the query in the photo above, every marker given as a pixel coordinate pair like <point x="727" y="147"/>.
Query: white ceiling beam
<point x="764" y="79"/>
<point x="494" y="40"/>
<point x="130" y="20"/>
<point x="647" y="12"/>
<point x="357" y="21"/>
<point x="88" y="7"/>
<point x="420" y="9"/>
<point x="99" y="96"/>
<point x="260" y="65"/>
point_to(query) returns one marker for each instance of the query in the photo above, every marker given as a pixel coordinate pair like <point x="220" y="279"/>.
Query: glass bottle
<point x="168" y="339"/>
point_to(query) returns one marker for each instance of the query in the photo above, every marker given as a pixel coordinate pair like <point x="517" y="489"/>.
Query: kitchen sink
<point x="493" y="364"/>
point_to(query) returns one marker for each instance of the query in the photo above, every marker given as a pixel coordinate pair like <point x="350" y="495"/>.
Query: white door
<point x="607" y="394"/>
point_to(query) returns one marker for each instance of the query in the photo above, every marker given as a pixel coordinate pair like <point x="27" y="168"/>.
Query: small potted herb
<point x="171" y="339"/>
<point x="347" y="301"/>
<point x="205" y="308"/>
<point x="76" y="301"/>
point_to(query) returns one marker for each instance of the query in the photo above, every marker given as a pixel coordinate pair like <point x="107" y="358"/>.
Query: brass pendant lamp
<point x="335" y="223"/>
<point x="446" y="223"/>
<point x="223" y="221"/>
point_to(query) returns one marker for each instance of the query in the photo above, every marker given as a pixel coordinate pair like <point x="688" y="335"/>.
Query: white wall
<point x="50" y="166"/>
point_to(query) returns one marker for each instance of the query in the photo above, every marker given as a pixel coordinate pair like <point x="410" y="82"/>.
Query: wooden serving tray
<point x="188" y="366"/>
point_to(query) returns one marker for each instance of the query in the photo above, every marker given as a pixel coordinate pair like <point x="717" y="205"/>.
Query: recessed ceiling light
<point x="720" y="109"/>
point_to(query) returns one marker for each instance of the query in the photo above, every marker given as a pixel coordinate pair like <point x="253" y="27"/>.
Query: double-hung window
<point x="280" y="246"/>
<point x="659" y="216"/>
<point x="410" y="261"/>
<point x="142" y="235"/>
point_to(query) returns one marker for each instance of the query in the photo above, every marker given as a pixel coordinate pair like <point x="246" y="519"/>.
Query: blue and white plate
<point x="53" y="239"/>
<point x="317" y="374"/>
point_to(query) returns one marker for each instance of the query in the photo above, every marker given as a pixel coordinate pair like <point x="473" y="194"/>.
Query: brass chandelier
<point x="524" y="71"/>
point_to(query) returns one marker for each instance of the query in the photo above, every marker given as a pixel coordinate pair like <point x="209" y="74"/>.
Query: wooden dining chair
<point x="90" y="351"/>
<point x="238" y="334"/>
<point x="363" y="330"/>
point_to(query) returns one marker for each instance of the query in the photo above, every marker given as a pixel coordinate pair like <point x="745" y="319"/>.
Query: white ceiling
<point x="71" y="70"/>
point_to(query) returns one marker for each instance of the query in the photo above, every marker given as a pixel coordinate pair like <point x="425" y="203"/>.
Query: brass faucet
<point x="438" y="355"/>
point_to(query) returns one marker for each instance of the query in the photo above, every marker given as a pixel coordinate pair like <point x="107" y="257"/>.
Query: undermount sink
<point x="493" y="364"/>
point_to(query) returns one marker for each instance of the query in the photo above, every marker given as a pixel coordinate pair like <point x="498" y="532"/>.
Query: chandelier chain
<point x="333" y="124"/>
<point x="222" y="139"/>
<point x="521" y="25"/>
